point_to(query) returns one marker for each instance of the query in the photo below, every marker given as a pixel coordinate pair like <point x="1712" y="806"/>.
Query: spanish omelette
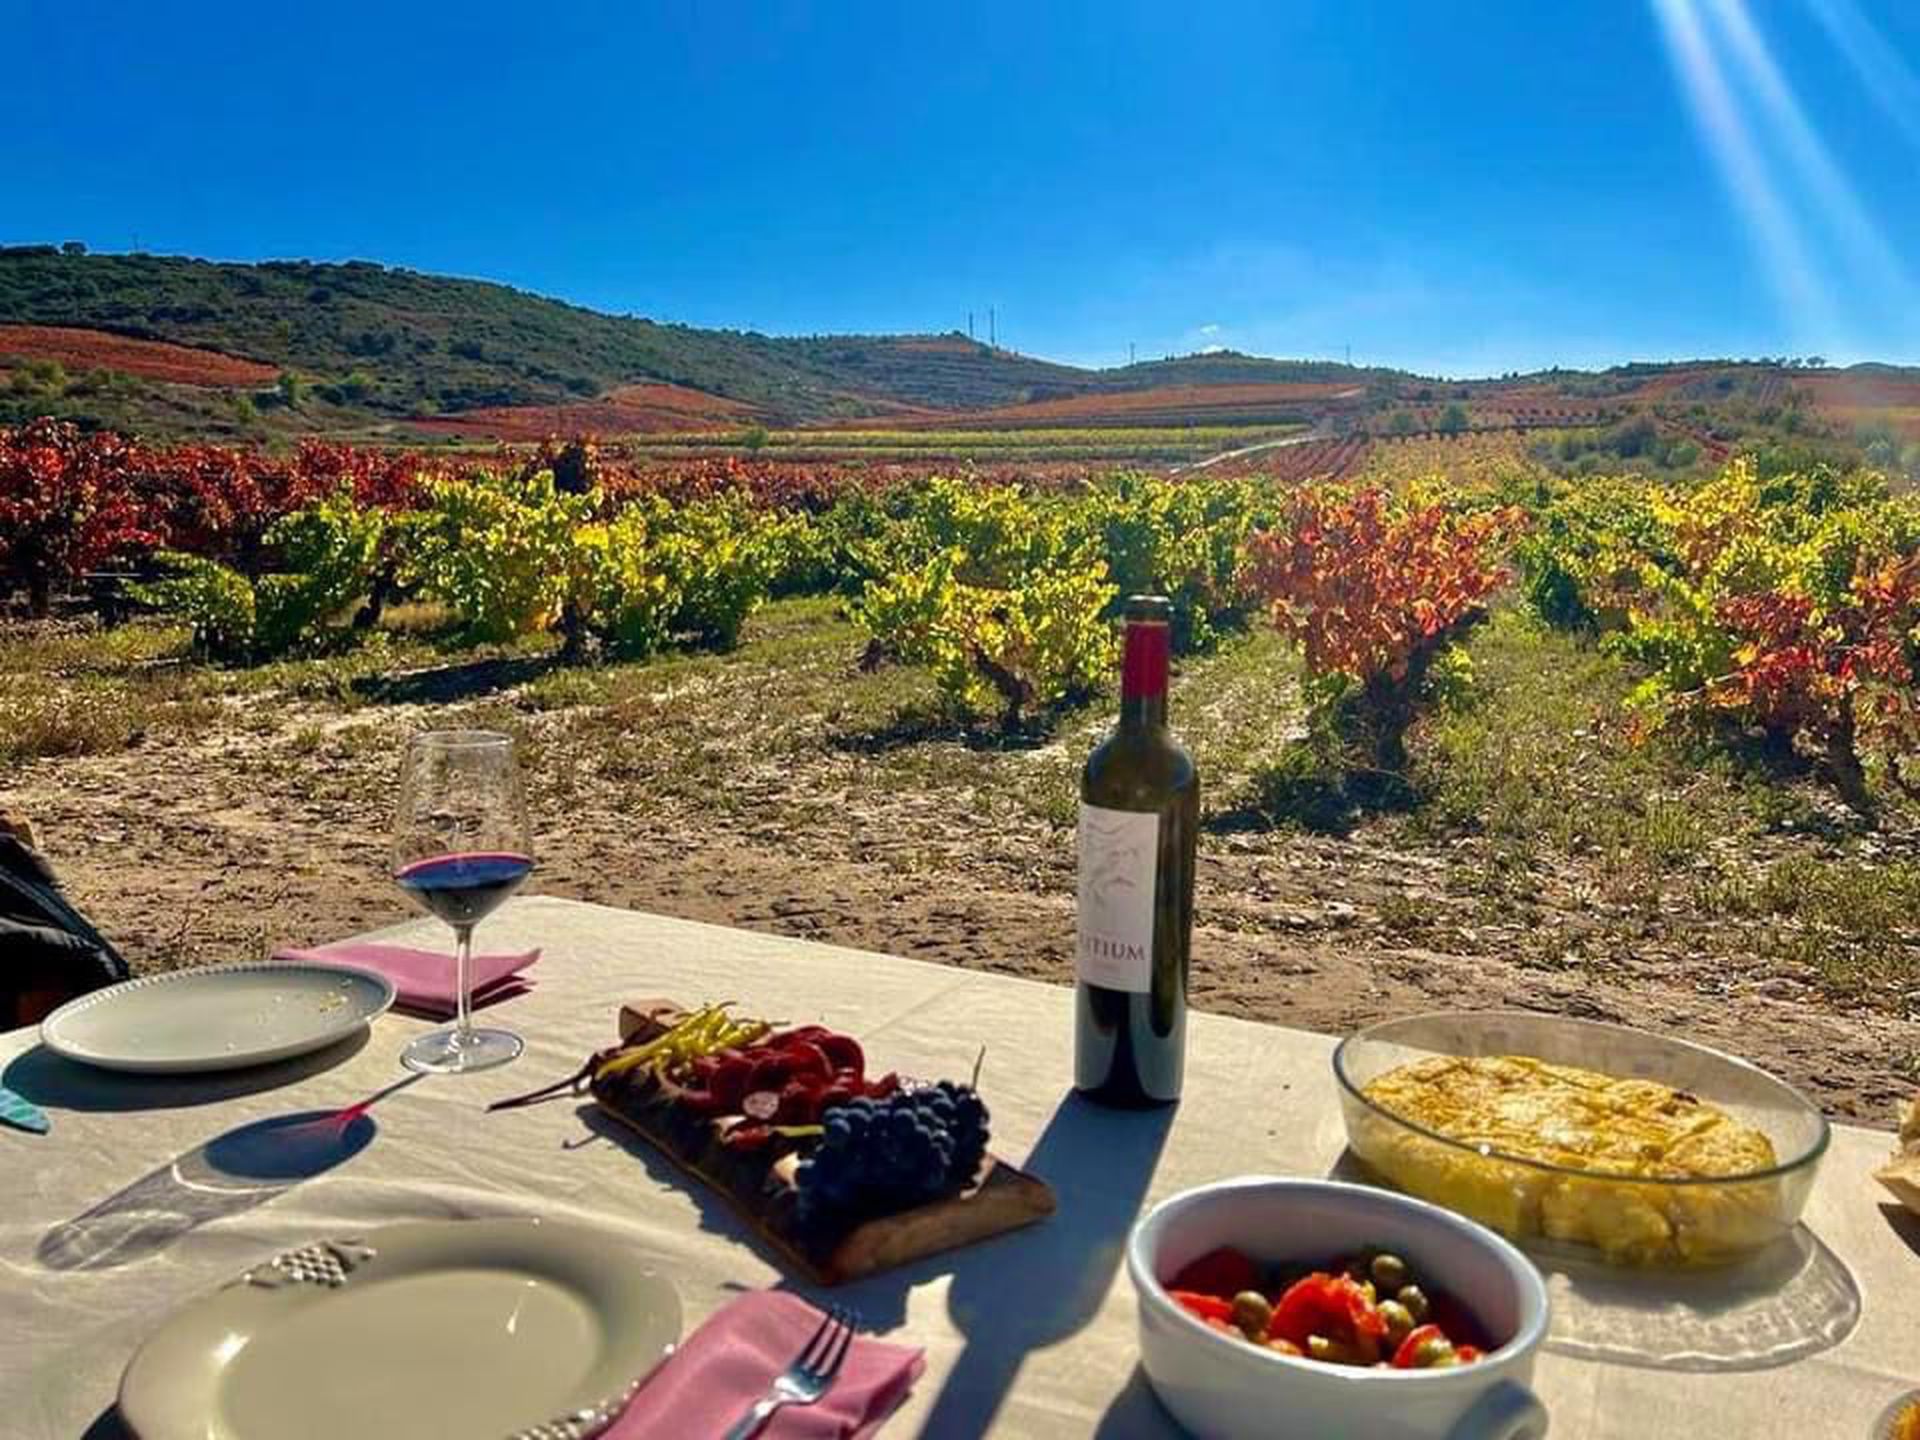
<point x="1603" y="1133"/>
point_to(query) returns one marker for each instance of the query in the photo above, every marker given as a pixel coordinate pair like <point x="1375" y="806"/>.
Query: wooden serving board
<point x="1002" y="1198"/>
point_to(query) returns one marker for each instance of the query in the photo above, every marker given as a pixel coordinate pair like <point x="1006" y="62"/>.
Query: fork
<point x="807" y="1379"/>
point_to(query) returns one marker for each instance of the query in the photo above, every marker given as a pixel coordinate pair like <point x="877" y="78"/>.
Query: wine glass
<point x="460" y="847"/>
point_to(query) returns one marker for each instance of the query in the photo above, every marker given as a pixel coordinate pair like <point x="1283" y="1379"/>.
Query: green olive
<point x="1319" y="1347"/>
<point x="1399" y="1320"/>
<point x="1415" y="1299"/>
<point x="1389" y="1272"/>
<point x="1251" y="1312"/>
<point x="1433" y="1353"/>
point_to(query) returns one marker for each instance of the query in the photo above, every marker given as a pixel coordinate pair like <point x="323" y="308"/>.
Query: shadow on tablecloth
<point x="717" y="1215"/>
<point x="1036" y="1287"/>
<point x="54" y="1082"/>
<point x="1785" y="1302"/>
<point x="1904" y="1223"/>
<point x="1009" y="1295"/>
<point x="234" y="1171"/>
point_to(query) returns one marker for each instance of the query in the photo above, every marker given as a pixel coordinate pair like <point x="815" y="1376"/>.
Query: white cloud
<point x="1209" y="329"/>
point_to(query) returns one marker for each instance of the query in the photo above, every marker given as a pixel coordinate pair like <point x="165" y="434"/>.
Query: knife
<point x="22" y="1113"/>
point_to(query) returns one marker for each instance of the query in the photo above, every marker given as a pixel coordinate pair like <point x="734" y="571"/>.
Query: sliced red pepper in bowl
<point x="1403" y="1358"/>
<point x="1333" y="1306"/>
<point x="1202" y="1306"/>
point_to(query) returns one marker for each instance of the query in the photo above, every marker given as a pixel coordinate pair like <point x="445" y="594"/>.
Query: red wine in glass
<point x="461" y="846"/>
<point x="464" y="889"/>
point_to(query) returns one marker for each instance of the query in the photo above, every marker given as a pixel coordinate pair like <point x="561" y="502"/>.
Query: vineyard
<point x="1177" y="405"/>
<point x="1784" y="606"/>
<point x="628" y="409"/>
<point x="1642" y="745"/>
<point x="79" y="350"/>
<point x="1114" y="446"/>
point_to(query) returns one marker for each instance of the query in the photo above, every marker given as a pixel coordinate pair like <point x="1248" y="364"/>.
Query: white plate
<point x="216" y="1017"/>
<point x="475" y="1329"/>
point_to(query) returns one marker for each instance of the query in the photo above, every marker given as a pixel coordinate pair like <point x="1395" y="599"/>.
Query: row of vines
<point x="1006" y="592"/>
<point x="1778" y="609"/>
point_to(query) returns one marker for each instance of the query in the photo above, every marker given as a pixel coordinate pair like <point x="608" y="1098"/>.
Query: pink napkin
<point x="423" y="979"/>
<point x="729" y="1362"/>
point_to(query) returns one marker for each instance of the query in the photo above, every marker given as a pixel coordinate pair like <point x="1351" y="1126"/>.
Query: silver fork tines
<point x="809" y="1377"/>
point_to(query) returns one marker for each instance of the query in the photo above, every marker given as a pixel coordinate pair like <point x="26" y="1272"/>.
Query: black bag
<point x="49" y="952"/>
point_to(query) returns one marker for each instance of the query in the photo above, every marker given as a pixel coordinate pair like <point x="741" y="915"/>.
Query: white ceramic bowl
<point x="1224" y="1389"/>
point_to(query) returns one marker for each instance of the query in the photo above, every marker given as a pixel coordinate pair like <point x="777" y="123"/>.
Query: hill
<point x="393" y="344"/>
<point x="170" y="345"/>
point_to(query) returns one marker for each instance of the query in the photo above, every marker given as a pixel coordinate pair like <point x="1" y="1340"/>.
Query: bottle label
<point x="1118" y="852"/>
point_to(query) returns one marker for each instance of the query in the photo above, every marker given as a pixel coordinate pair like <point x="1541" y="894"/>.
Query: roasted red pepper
<point x="1403" y="1358"/>
<point x="1331" y="1306"/>
<point x="1203" y="1307"/>
<point x="808" y="1060"/>
<point x="844" y="1052"/>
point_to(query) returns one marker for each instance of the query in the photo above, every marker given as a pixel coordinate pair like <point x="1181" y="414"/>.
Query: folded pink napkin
<point x="729" y="1362"/>
<point x="423" y="979"/>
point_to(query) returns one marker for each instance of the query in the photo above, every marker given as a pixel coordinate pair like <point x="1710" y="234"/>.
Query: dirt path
<point x="220" y="848"/>
<point x="1318" y="432"/>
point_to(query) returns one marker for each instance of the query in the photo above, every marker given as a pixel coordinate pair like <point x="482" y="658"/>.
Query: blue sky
<point x="1458" y="188"/>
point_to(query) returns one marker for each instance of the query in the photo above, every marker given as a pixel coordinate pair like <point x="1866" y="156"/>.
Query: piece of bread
<point x="1910" y="1126"/>
<point x="1901" y="1176"/>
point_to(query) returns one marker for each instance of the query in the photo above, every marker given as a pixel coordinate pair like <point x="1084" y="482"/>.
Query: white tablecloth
<point x="116" y="1217"/>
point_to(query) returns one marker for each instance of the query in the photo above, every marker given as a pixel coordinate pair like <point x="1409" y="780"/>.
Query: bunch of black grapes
<point x="878" y="1157"/>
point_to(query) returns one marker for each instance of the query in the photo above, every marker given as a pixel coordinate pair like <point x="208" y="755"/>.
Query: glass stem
<point x="463" y="981"/>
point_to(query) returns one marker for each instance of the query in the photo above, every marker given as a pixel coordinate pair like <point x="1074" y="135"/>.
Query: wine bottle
<point x="1139" y="818"/>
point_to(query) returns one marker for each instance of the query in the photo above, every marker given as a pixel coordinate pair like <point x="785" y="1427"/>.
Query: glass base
<point x="449" y="1052"/>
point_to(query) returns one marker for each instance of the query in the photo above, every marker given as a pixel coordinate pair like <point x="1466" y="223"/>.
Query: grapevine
<point x="1374" y="593"/>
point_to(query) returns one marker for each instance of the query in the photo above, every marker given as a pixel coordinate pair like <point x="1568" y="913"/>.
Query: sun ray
<point x="1837" y="201"/>
<point x="1889" y="79"/>
<point x="1782" y="251"/>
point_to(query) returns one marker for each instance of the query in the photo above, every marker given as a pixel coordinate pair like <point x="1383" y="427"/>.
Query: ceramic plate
<point x="481" y="1329"/>
<point x="217" y="1017"/>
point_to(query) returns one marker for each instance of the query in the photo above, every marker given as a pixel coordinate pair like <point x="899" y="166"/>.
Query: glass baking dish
<point x="1626" y="1219"/>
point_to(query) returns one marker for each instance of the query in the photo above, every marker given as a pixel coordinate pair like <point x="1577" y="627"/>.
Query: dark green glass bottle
<point x="1139" y="819"/>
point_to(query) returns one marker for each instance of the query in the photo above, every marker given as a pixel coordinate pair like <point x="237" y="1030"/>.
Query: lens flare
<point x="1782" y="248"/>
<point x="1888" y="78"/>
<point x="1837" y="203"/>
